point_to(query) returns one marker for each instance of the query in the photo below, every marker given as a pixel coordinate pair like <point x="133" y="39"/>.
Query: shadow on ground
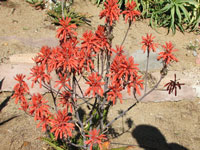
<point x="150" y="138"/>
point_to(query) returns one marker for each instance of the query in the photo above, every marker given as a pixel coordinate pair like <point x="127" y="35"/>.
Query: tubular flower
<point x="61" y="125"/>
<point x="148" y="43"/>
<point x="86" y="60"/>
<point x="53" y="62"/>
<point x="22" y="83"/>
<point x="20" y="89"/>
<point x="101" y="38"/>
<point x="64" y="100"/>
<point x="44" y="122"/>
<point x="114" y="93"/>
<point x="119" y="50"/>
<point x="111" y="11"/>
<point x="38" y="73"/>
<point x="95" y="138"/>
<point x="67" y="60"/>
<point x="136" y="84"/>
<point x="95" y="85"/>
<point x="115" y="67"/>
<point x="39" y="107"/>
<point x="167" y="55"/>
<point x="128" y="69"/>
<point x="130" y="13"/>
<point x="43" y="56"/>
<point x="24" y="105"/>
<point x="63" y="81"/>
<point x="67" y="30"/>
<point x="89" y="42"/>
<point x="19" y="95"/>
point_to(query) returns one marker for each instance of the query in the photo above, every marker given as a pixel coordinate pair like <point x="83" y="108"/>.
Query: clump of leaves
<point x="146" y="7"/>
<point x="76" y="18"/>
<point x="38" y="4"/>
<point x="195" y="18"/>
<point x="174" y="14"/>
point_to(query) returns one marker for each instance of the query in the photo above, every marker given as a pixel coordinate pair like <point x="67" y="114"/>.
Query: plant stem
<point x="129" y="26"/>
<point x="82" y="127"/>
<point x="79" y="86"/>
<point x="98" y="62"/>
<point x="102" y="63"/>
<point x="54" y="98"/>
<point x="129" y="108"/>
<point x="146" y="73"/>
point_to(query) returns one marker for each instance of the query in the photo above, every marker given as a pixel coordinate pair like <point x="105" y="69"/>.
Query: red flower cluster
<point x="95" y="138"/>
<point x="63" y="81"/>
<point x="130" y="13"/>
<point x="123" y="72"/>
<point x="111" y="11"/>
<point x="61" y="125"/>
<point x="20" y="89"/>
<point x="95" y="85"/>
<point x="66" y="100"/>
<point x="38" y="73"/>
<point x="114" y="93"/>
<point x="38" y="107"/>
<point x="148" y="43"/>
<point x="66" y="31"/>
<point x="167" y="55"/>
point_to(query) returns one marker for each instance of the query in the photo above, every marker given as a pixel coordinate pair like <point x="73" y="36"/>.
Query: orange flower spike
<point x="95" y="85"/>
<point x="61" y="125"/>
<point x="21" y="82"/>
<point x="44" y="121"/>
<point x="167" y="55"/>
<point x="90" y="42"/>
<point x="63" y="81"/>
<point x="111" y="11"/>
<point x="114" y="93"/>
<point x="38" y="106"/>
<point x="95" y="138"/>
<point x="39" y="75"/>
<point x="19" y="95"/>
<point x="43" y="56"/>
<point x="101" y="39"/>
<point x="148" y="43"/>
<point x="67" y="30"/>
<point x="20" y="89"/>
<point x="64" y="100"/>
<point x="130" y="13"/>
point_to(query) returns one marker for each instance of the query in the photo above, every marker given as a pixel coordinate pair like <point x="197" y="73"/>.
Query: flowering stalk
<point x="126" y="34"/>
<point x="148" y="44"/>
<point x="146" y="72"/>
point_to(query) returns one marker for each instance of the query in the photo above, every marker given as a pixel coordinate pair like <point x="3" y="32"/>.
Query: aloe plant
<point x="195" y="17"/>
<point x="76" y="18"/>
<point x="174" y="14"/>
<point x="38" y="4"/>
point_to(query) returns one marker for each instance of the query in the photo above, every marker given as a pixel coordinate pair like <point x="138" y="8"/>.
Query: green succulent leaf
<point x="51" y="143"/>
<point x="178" y="14"/>
<point x="185" y="12"/>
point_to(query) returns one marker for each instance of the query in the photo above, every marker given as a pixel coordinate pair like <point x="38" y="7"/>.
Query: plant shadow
<point x="150" y="138"/>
